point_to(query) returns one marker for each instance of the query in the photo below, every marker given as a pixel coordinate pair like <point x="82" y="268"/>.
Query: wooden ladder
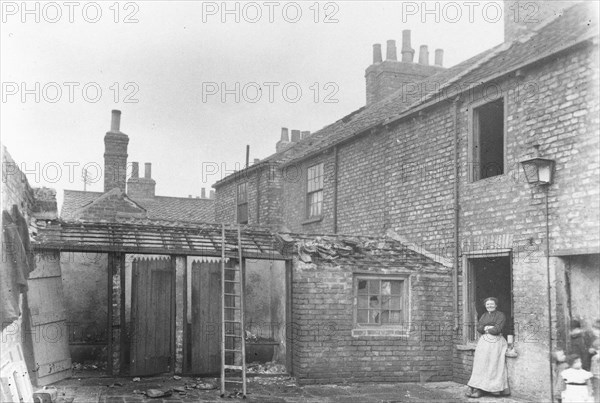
<point x="233" y="341"/>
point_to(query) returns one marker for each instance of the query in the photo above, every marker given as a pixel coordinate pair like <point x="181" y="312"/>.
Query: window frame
<point x="473" y="159"/>
<point x="241" y="204"/>
<point x="469" y="316"/>
<point x="404" y="324"/>
<point x="310" y="192"/>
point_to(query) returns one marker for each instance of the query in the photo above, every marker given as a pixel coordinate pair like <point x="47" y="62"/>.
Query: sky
<point x="175" y="69"/>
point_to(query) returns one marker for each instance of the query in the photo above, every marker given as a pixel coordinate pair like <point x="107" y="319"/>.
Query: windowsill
<point x="488" y="179"/>
<point x="312" y="220"/>
<point x="466" y="347"/>
<point x="401" y="332"/>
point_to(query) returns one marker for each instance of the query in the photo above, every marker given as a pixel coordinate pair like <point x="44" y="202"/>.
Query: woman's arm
<point x="482" y="324"/>
<point x="498" y="324"/>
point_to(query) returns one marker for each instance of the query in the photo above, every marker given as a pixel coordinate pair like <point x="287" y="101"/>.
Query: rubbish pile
<point x="268" y="368"/>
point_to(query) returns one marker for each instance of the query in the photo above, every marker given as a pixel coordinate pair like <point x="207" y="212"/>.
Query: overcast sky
<point x="168" y="52"/>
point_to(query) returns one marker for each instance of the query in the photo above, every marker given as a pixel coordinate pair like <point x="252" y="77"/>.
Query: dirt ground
<point x="264" y="389"/>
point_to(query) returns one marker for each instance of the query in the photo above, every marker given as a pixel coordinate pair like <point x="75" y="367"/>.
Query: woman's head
<point x="574" y="361"/>
<point x="491" y="304"/>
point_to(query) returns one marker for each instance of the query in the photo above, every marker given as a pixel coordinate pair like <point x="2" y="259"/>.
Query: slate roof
<point x="576" y="25"/>
<point x="160" y="207"/>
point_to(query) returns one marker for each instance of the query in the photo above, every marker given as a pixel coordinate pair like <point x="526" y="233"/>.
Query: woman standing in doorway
<point x="489" y="363"/>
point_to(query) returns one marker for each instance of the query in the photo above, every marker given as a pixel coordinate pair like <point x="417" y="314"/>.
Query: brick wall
<point x="325" y="351"/>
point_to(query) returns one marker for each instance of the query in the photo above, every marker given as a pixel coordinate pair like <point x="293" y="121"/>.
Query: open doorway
<point x="489" y="276"/>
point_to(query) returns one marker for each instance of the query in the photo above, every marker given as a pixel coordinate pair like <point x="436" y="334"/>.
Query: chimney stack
<point x="203" y="193"/>
<point x="212" y="194"/>
<point x="391" y="50"/>
<point x="284" y="141"/>
<point x="141" y="188"/>
<point x="424" y="55"/>
<point x="305" y="134"/>
<point x="408" y="53"/>
<point x="115" y="122"/>
<point x="115" y="155"/>
<point x="135" y="170"/>
<point x="295" y="136"/>
<point x="439" y="57"/>
<point x="377" y="53"/>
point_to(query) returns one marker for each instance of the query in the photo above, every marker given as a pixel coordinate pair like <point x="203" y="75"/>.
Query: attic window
<point x="487" y="146"/>
<point x="242" y="203"/>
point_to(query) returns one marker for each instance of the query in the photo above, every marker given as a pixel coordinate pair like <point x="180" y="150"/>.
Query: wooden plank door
<point x="45" y="322"/>
<point x="152" y="316"/>
<point x="206" y="318"/>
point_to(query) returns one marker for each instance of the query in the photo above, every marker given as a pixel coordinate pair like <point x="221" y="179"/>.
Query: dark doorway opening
<point x="493" y="278"/>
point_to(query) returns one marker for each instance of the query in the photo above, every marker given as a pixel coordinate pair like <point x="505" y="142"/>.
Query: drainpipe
<point x="546" y="191"/>
<point x="456" y="214"/>
<point x="335" y="189"/>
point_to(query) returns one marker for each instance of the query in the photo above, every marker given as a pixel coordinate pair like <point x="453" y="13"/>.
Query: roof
<point x="575" y="25"/>
<point x="160" y="207"/>
<point x="157" y="237"/>
<point x="203" y="239"/>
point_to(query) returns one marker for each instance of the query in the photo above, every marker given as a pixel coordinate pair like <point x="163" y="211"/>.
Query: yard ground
<point x="263" y="389"/>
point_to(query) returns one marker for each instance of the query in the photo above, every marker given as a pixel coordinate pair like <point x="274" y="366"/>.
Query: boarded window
<point x="314" y="187"/>
<point x="380" y="301"/>
<point x="488" y="140"/>
<point x="242" y="203"/>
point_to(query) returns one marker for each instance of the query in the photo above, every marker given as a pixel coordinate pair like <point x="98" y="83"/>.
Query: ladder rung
<point x="232" y="307"/>
<point x="234" y="335"/>
<point x="233" y="350"/>
<point x="231" y="268"/>
<point x="232" y="321"/>
<point x="238" y="367"/>
<point x="232" y="281"/>
<point x="229" y="294"/>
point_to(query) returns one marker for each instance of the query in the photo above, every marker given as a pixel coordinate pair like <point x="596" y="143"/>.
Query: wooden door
<point x="206" y="318"/>
<point x="45" y="322"/>
<point x="152" y="303"/>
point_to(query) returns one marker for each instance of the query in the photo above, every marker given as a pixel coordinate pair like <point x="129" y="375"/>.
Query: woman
<point x="489" y="364"/>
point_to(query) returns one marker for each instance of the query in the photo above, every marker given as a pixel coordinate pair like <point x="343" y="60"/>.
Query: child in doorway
<point x="560" y="364"/>
<point x="577" y="381"/>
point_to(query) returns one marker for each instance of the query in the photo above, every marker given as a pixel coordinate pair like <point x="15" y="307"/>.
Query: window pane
<point x="362" y="316"/>
<point x="374" y="316"/>
<point x="385" y="317"/>
<point x="374" y="301"/>
<point x="395" y="316"/>
<point x="363" y="302"/>
<point x="395" y="303"/>
<point x="362" y="286"/>
<point x="374" y="287"/>
<point x="396" y="287"/>
<point x="386" y="287"/>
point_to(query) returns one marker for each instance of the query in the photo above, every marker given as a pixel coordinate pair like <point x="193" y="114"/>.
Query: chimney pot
<point x="203" y="193"/>
<point x="284" y="134"/>
<point x="189" y="196"/>
<point x="439" y="57"/>
<point x="424" y="55"/>
<point x="135" y="170"/>
<point x="391" y="50"/>
<point x="408" y="53"/>
<point x="377" y="58"/>
<point x="115" y="123"/>
<point x="212" y="194"/>
<point x="295" y="136"/>
<point x="256" y="160"/>
<point x="148" y="170"/>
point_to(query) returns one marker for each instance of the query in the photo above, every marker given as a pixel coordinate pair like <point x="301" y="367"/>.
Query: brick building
<point x="434" y="160"/>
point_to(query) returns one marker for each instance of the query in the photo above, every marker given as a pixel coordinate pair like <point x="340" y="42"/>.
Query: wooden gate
<point x="45" y="322"/>
<point x="205" y="357"/>
<point x="152" y="316"/>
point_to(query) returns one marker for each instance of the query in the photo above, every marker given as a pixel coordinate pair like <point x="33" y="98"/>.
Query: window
<point x="487" y="275"/>
<point x="380" y="301"/>
<point x="314" y="190"/>
<point x="487" y="144"/>
<point x="242" y="203"/>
